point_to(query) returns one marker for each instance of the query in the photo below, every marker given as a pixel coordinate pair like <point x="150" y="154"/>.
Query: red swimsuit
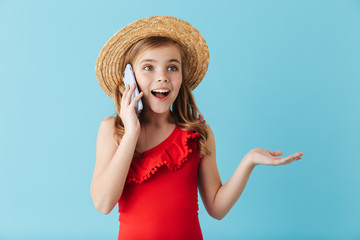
<point x="160" y="199"/>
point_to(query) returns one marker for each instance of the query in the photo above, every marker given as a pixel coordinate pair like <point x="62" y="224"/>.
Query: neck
<point x="156" y="120"/>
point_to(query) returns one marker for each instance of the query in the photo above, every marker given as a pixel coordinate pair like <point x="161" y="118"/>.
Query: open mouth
<point x="160" y="93"/>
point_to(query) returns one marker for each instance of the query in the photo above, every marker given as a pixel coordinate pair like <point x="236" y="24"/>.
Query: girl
<point x="151" y="164"/>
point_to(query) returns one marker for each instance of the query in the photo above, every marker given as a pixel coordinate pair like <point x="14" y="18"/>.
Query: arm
<point x="231" y="191"/>
<point x="218" y="199"/>
<point x="113" y="162"/>
<point x="111" y="167"/>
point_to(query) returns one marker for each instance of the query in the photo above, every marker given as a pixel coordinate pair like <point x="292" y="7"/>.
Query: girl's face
<point x="158" y="74"/>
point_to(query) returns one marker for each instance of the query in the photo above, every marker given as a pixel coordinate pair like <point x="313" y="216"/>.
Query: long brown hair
<point x="184" y="109"/>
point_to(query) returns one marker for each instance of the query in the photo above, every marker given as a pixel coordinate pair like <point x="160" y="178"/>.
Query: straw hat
<point x="111" y="57"/>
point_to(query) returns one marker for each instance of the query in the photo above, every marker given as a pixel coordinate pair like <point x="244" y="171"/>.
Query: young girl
<point x="151" y="164"/>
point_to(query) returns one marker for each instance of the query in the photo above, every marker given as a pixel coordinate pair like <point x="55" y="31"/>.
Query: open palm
<point x="266" y="157"/>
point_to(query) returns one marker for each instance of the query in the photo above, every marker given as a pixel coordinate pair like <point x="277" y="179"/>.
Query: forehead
<point x="162" y="51"/>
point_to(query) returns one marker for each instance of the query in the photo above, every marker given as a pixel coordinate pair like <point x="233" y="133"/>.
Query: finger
<point x="125" y="94"/>
<point x="290" y="159"/>
<point x="132" y="89"/>
<point x="130" y="92"/>
<point x="136" y="99"/>
<point x="126" y="91"/>
<point x="276" y="153"/>
<point x="297" y="155"/>
<point x="127" y="86"/>
<point x="282" y="161"/>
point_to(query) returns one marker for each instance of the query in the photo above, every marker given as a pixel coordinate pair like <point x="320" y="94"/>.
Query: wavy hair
<point x="184" y="109"/>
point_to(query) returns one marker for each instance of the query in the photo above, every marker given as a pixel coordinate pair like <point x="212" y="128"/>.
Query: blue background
<point x="283" y="75"/>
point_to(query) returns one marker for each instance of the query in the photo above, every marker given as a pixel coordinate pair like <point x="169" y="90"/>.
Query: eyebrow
<point x="153" y="60"/>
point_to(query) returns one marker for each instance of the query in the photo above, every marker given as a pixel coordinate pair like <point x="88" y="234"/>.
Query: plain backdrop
<point x="283" y="75"/>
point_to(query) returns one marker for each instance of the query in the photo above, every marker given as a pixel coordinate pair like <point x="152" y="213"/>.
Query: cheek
<point x="177" y="89"/>
<point x="177" y="80"/>
<point x="141" y="82"/>
<point x="178" y="83"/>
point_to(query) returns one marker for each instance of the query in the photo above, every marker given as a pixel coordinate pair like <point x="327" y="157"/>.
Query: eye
<point x="147" y="68"/>
<point x="173" y="68"/>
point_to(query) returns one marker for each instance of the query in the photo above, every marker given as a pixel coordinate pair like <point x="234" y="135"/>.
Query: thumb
<point x="276" y="153"/>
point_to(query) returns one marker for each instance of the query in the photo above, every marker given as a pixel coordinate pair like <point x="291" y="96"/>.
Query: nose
<point x="162" y="76"/>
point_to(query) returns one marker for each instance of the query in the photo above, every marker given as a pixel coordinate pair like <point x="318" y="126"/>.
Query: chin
<point x="160" y="110"/>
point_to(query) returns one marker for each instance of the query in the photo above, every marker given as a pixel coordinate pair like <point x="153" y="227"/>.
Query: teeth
<point x="160" y="91"/>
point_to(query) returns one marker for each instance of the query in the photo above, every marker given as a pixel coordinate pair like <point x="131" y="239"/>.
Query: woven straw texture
<point x="110" y="59"/>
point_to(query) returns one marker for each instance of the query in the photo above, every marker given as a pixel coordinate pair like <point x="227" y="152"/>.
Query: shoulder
<point x="209" y="130"/>
<point x="108" y="123"/>
<point x="210" y="140"/>
<point x="106" y="128"/>
<point x="109" y="119"/>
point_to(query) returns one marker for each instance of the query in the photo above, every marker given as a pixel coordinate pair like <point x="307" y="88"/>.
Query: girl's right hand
<point x="127" y="110"/>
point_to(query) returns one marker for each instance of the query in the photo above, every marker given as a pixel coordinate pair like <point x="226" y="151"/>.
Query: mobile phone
<point x="129" y="79"/>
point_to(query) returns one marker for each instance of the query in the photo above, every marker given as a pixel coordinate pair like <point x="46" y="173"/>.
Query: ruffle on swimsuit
<point x="172" y="152"/>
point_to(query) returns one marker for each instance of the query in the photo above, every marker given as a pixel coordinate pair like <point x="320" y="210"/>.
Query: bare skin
<point x="218" y="199"/>
<point x="113" y="162"/>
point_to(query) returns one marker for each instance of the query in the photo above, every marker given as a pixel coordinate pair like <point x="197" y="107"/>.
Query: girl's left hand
<point x="262" y="156"/>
